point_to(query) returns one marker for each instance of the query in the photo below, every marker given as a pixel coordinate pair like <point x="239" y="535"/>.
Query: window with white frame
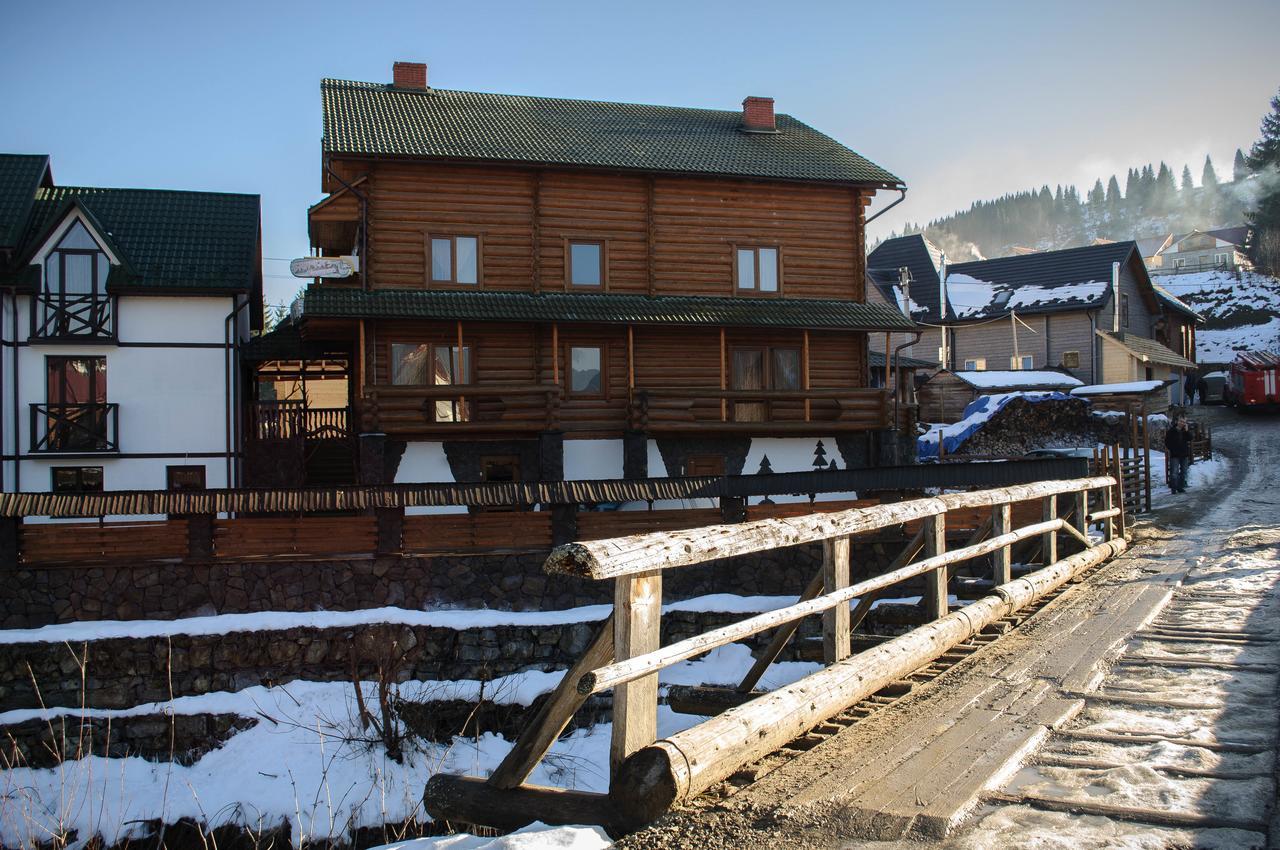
<point x="1022" y="361"/>
<point x="977" y="364"/>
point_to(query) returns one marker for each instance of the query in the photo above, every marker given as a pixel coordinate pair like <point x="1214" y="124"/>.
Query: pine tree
<point x="1132" y="192"/>
<point x="1209" y="177"/>
<point x="1097" y="196"/>
<point x="1113" y="194"/>
<point x="1239" y="168"/>
<point x="1187" y="185"/>
<point x="1148" y="184"/>
<point x="1264" y="156"/>
<point x="1166" y="193"/>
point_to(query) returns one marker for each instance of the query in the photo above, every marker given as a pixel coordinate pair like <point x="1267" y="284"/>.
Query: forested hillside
<point x="1151" y="201"/>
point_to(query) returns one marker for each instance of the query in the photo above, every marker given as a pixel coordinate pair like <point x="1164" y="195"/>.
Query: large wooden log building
<point x="554" y="288"/>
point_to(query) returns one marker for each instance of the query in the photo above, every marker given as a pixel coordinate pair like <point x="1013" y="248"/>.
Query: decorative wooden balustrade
<point x="293" y="420"/>
<point x="75" y="428"/>
<point x="461" y="408"/>
<point x="650" y="775"/>
<point x="800" y="412"/>
<point x="59" y="316"/>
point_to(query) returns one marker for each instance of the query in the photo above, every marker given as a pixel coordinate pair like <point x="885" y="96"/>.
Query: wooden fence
<point x="650" y="775"/>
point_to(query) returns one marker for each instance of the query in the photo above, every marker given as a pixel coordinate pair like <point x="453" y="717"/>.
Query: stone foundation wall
<point x="180" y="738"/>
<point x="125" y="672"/>
<point x="37" y="597"/>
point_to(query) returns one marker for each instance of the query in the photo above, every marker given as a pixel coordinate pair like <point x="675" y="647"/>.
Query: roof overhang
<point x="325" y="301"/>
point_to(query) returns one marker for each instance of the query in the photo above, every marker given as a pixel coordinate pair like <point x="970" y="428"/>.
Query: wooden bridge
<point x="648" y="776"/>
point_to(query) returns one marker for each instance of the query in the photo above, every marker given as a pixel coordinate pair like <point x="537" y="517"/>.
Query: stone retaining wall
<point x="124" y="672"/>
<point x="37" y="597"/>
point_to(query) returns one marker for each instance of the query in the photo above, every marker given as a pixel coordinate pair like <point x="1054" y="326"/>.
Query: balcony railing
<point x="57" y="316"/>
<point x="461" y="409"/>
<point x="813" y="411"/>
<point x="292" y="420"/>
<point x="75" y="428"/>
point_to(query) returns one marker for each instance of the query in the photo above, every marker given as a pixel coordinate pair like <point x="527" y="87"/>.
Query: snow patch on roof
<point x="1025" y="378"/>
<point x="971" y="297"/>
<point x="1128" y="387"/>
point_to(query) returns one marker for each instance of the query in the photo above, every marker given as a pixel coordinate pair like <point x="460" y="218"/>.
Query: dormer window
<point x="73" y="302"/>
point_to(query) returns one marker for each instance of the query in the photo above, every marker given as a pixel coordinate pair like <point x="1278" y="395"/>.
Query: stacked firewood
<point x="1022" y="426"/>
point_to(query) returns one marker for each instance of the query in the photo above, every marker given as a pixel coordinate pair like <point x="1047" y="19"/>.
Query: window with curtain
<point x="426" y="365"/>
<point x="455" y="259"/>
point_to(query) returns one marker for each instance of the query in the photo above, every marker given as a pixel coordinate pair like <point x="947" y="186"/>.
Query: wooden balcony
<point x="293" y="420"/>
<point x="461" y="409"/>
<point x="785" y="412"/>
<point x="75" y="428"/>
<point x="59" y="317"/>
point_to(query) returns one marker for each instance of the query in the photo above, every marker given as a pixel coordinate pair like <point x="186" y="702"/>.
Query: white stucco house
<point x="121" y="311"/>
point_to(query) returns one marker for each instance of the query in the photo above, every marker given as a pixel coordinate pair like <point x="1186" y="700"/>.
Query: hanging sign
<point x="320" y="267"/>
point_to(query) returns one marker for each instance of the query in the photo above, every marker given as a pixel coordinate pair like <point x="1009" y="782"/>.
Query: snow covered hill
<point x="1241" y="311"/>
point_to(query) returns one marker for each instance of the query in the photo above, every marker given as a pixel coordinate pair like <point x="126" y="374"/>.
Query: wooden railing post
<point x="637" y="624"/>
<point x="1118" y="472"/>
<point x="1081" y="519"/>
<point x="1001" y="559"/>
<point x="935" y="581"/>
<point x="1049" y="541"/>
<point x="1109" y="525"/>
<point x="835" y="622"/>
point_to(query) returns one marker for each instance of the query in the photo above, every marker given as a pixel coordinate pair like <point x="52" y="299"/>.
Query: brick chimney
<point x="757" y="115"/>
<point x="409" y="75"/>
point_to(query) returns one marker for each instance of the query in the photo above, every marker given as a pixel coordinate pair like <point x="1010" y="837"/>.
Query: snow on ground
<point x="1037" y="830"/>
<point x="1243" y="311"/>
<point x="1201" y="474"/>
<point x="308" y="763"/>
<point x="535" y="836"/>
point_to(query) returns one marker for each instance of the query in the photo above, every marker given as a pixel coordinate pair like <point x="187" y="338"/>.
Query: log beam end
<point x="645" y="787"/>
<point x="572" y="559"/>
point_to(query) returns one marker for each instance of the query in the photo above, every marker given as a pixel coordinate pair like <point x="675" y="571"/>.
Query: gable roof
<point x="1047" y="282"/>
<point x="165" y="239"/>
<point x="379" y="119"/>
<point x="1235" y="235"/>
<point x="327" y="301"/>
<point x="1172" y="301"/>
<point x="993" y="380"/>
<point x="1153" y="245"/>
<point x="923" y="259"/>
<point x="20" y="176"/>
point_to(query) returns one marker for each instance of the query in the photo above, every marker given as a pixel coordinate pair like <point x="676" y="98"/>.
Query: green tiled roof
<point x="1151" y="350"/>
<point x="20" y="176"/>
<point x="333" y="301"/>
<point x="371" y="118"/>
<point x="168" y="239"/>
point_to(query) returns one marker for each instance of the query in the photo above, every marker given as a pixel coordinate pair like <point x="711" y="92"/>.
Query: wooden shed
<point x="945" y="395"/>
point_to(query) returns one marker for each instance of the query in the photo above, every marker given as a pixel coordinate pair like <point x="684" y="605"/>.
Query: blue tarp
<point x="976" y="415"/>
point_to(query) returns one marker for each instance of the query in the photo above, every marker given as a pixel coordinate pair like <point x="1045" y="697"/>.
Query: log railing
<point x="682" y="409"/>
<point x="461" y="408"/>
<point x="294" y="420"/>
<point x="650" y="775"/>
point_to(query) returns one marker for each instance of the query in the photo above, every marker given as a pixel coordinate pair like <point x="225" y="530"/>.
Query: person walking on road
<point x="1177" y="447"/>
<point x="1193" y="384"/>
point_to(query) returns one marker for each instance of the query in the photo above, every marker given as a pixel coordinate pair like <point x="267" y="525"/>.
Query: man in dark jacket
<point x="1177" y="447"/>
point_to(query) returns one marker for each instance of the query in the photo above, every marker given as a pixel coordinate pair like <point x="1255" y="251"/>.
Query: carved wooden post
<point x="1001" y="559"/>
<point x="1109" y="524"/>
<point x="1049" y="540"/>
<point x="935" y="581"/>
<point x="637" y="622"/>
<point x="835" y="622"/>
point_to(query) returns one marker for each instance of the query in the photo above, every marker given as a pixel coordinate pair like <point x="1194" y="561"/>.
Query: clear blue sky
<point x="963" y="101"/>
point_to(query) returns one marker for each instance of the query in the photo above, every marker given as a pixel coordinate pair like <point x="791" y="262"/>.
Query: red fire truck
<point x="1254" y="382"/>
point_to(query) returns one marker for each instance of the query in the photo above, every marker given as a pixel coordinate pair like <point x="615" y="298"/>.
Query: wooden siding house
<point x="1091" y="311"/>
<point x="120" y="313"/>
<point x="567" y="289"/>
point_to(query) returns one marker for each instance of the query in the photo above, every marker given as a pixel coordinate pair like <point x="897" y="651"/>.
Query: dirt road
<point x="1137" y="711"/>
